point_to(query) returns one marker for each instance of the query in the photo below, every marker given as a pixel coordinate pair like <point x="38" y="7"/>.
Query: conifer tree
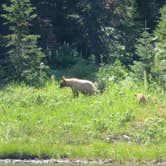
<point x="98" y="27"/>
<point x="145" y="52"/>
<point x="24" y="56"/>
<point x="160" y="50"/>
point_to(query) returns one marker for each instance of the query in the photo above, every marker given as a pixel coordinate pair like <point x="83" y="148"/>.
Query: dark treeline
<point x="75" y="37"/>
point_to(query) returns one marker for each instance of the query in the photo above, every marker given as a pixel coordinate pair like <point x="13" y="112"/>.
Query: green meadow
<point x="67" y="165"/>
<point x="48" y="122"/>
<point x="70" y="165"/>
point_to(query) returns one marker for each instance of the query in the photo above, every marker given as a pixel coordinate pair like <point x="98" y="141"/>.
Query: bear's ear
<point x="63" y="78"/>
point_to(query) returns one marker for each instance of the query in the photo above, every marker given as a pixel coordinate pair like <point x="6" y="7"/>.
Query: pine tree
<point x="145" y="52"/>
<point x="84" y="25"/>
<point x="160" y="50"/>
<point x="149" y="10"/>
<point x="24" y="56"/>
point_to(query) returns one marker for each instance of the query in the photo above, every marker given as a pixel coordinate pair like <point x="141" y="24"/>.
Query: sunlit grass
<point x="49" y="123"/>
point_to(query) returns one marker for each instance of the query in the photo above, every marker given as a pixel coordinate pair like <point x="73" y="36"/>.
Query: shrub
<point x="106" y="73"/>
<point x="83" y="69"/>
<point x="62" y="56"/>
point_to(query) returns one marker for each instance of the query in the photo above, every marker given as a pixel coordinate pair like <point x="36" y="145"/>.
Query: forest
<point x="81" y="38"/>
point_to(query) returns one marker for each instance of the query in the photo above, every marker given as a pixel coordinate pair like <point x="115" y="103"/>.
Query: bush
<point x="62" y="56"/>
<point x="152" y="131"/>
<point x="83" y="69"/>
<point x="106" y="73"/>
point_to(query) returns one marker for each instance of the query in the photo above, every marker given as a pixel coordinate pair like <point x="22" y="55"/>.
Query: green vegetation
<point x="23" y="58"/>
<point x="49" y="122"/>
<point x="40" y="39"/>
<point x="103" y="41"/>
<point x="66" y="165"/>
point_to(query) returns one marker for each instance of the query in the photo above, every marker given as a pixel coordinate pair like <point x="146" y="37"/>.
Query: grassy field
<point x="74" y="165"/>
<point x="68" y="165"/>
<point x="50" y="123"/>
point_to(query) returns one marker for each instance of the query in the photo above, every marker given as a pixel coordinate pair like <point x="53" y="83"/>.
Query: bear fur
<point x="79" y="85"/>
<point x="140" y="98"/>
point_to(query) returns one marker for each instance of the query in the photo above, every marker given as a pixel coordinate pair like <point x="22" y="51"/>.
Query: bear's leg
<point x="75" y="92"/>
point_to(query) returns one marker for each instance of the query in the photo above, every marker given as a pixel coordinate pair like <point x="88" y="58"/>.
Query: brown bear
<point x="79" y="85"/>
<point x="140" y="98"/>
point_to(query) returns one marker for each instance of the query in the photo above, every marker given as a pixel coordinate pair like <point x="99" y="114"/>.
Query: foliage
<point x="145" y="53"/>
<point x="62" y="56"/>
<point x="160" y="50"/>
<point x="151" y="54"/>
<point x="84" y="25"/>
<point x="24" y="57"/>
<point x="106" y="73"/>
<point x="72" y="65"/>
<point x="96" y="40"/>
<point x="149" y="11"/>
<point x="152" y="131"/>
<point x="72" y="30"/>
<point x="83" y="69"/>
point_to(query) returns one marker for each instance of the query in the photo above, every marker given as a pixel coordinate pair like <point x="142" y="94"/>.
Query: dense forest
<point x="81" y="38"/>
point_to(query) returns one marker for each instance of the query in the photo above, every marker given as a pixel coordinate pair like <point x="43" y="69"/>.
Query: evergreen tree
<point x="160" y="50"/>
<point x="149" y="10"/>
<point x="3" y="30"/>
<point x="123" y="31"/>
<point x="24" y="57"/>
<point x="84" y="25"/>
<point x="152" y="54"/>
<point x="145" y="52"/>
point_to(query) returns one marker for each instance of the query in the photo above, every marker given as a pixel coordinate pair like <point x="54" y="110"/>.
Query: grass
<point x="50" y="123"/>
<point x="70" y="165"/>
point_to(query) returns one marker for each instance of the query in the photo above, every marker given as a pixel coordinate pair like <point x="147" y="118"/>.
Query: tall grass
<point x="48" y="122"/>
